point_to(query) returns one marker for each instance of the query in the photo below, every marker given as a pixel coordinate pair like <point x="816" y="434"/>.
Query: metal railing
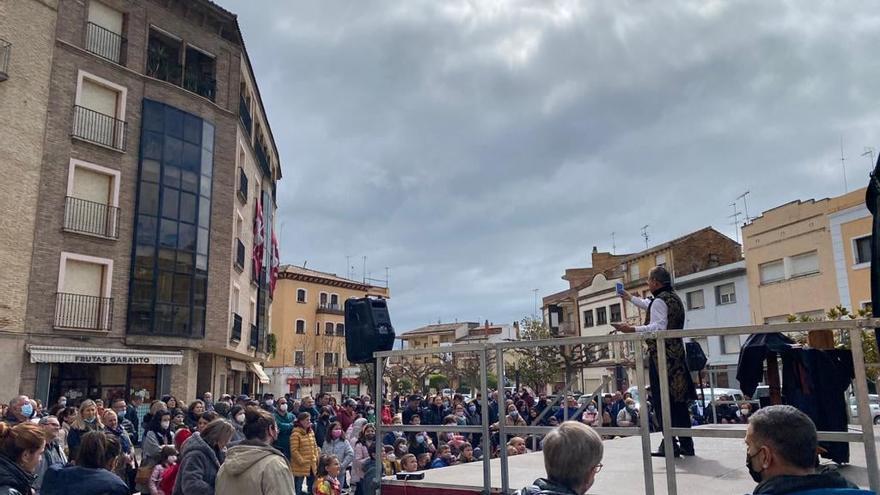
<point x="263" y="160"/>
<point x="201" y="85"/>
<point x="255" y="337"/>
<point x="244" y="113"/>
<point x="99" y="128"/>
<point x="105" y="43"/>
<point x="82" y="312"/>
<point x="242" y="186"/>
<point x="239" y="254"/>
<point x="5" y="51"/>
<point x="89" y="217"/>
<point x="236" y="328"/>
<point x="329" y="308"/>
<point x="485" y="352"/>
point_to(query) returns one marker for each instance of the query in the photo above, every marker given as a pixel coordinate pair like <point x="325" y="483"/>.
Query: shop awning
<point x="258" y="370"/>
<point x="96" y="355"/>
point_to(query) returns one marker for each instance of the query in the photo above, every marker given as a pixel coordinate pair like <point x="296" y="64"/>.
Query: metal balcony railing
<point x="82" y="312"/>
<point x="88" y="217"/>
<point x="244" y="113"/>
<point x="236" y="328"/>
<point x="99" y="128"/>
<point x="201" y="85"/>
<point x="263" y="160"/>
<point x="329" y="308"/>
<point x="105" y="43"/>
<point x="242" y="185"/>
<point x="5" y="51"/>
<point x="255" y="337"/>
<point x="239" y="255"/>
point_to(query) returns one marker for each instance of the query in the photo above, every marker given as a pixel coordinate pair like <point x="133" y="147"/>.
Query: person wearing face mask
<point x="629" y="415"/>
<point x="364" y="460"/>
<point x="742" y="415"/>
<point x="20" y="410"/>
<point x="201" y="457"/>
<point x="336" y="444"/>
<point x="284" y="420"/>
<point x="167" y="458"/>
<point x="304" y="453"/>
<point x="158" y="435"/>
<point x="323" y="424"/>
<point x="512" y="419"/>
<point x="392" y="436"/>
<point x="237" y="414"/>
<point x="781" y="453"/>
<point x="419" y="443"/>
<point x="254" y="466"/>
<point x="572" y="459"/>
<point x="87" y="421"/>
<point x="591" y="415"/>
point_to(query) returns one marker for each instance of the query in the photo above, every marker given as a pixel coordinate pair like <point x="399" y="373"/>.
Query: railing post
<point x="864" y="409"/>
<point x="380" y="397"/>
<point x="645" y="417"/>
<point x="666" y="415"/>
<point x="484" y="408"/>
<point x="502" y="434"/>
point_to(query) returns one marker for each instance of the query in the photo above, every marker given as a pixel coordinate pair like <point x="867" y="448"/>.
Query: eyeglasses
<point x="598" y="467"/>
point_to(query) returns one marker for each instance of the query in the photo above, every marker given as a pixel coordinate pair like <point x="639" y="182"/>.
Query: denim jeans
<point x="298" y="483"/>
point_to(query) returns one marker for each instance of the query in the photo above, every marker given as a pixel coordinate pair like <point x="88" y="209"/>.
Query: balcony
<point x="330" y="309"/>
<point x="105" y="43"/>
<point x="236" y="328"/>
<point x="96" y="127"/>
<point x="239" y="255"/>
<point x="242" y="186"/>
<point x="5" y="51"/>
<point x="88" y="217"/>
<point x="255" y="337"/>
<point x="82" y="312"/>
<point x="201" y="85"/>
<point x="263" y="160"/>
<point x="244" y="113"/>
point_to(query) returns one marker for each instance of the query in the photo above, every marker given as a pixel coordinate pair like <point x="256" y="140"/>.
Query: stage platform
<point x="719" y="466"/>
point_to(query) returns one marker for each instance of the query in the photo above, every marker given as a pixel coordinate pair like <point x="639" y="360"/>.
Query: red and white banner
<point x="273" y="265"/>
<point x="259" y="240"/>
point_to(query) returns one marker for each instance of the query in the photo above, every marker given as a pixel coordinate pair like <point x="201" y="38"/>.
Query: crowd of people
<point x="317" y="445"/>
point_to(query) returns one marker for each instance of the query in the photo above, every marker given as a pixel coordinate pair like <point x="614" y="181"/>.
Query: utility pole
<point x="645" y="235"/>
<point x="536" y="301"/>
<point x="613" y="244"/>
<point x="735" y="217"/>
<point x="365" y="269"/>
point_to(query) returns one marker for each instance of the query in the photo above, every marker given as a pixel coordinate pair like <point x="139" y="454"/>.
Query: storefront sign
<point x="112" y="359"/>
<point x="93" y="355"/>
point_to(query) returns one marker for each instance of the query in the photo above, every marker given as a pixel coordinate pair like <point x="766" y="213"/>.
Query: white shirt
<point x="659" y="311"/>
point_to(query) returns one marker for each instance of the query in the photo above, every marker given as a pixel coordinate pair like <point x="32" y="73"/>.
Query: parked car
<point x="873" y="403"/>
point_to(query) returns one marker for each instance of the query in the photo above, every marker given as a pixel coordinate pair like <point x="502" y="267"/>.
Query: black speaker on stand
<point x="367" y="329"/>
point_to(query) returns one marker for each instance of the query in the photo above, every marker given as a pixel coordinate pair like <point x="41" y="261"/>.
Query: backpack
<point x="169" y="477"/>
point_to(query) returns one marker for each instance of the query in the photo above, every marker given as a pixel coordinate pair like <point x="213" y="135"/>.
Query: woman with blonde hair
<point x="86" y="421"/>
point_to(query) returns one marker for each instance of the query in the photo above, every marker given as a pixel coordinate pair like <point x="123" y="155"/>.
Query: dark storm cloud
<point x="479" y="148"/>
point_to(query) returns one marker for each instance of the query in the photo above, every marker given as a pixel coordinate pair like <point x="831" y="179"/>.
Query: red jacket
<point x="387" y="415"/>
<point x="344" y="417"/>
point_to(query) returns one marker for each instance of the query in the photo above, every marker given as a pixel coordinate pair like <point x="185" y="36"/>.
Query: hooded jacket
<point x="779" y="485"/>
<point x="543" y="486"/>
<point x="13" y="479"/>
<point x="254" y="467"/>
<point x="77" y="480"/>
<point x="197" y="473"/>
<point x="303" y="452"/>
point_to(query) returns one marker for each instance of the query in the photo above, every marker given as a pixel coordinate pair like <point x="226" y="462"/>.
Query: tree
<point x="538" y="366"/>
<point x="367" y="377"/>
<point x="415" y="372"/>
<point x="438" y="381"/>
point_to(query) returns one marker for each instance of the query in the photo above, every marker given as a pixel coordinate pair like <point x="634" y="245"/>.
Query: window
<point x="328" y="360"/>
<point x="730" y="344"/>
<point x="299" y="358"/>
<point x="588" y="318"/>
<point x="725" y="294"/>
<point x="99" y="111"/>
<point x="334" y="301"/>
<point x="328" y="328"/>
<point x="322" y="299"/>
<point x="301" y="296"/>
<point x="301" y="327"/>
<point x="805" y="264"/>
<point x="634" y="271"/>
<point x="614" y="310"/>
<point x="601" y="318"/>
<point x="92" y="200"/>
<point x="317" y="328"/>
<point x="695" y="299"/>
<point x="773" y="271"/>
<point x="234" y="300"/>
<point x="83" y="300"/>
<point x="169" y="281"/>
<point x="242" y="186"/>
<point x="862" y="250"/>
<point x="104" y="32"/>
<point x="660" y="260"/>
<point x="181" y="64"/>
<point x="340" y="329"/>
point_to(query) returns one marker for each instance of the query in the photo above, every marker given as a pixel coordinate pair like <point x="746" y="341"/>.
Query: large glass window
<point x="169" y="279"/>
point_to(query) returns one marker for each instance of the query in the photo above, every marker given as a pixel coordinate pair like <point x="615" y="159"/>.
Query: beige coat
<point x="254" y="469"/>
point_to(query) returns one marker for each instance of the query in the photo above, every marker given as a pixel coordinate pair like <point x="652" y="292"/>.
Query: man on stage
<point x="666" y="312"/>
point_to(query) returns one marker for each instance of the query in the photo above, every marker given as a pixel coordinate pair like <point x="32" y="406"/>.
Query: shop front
<point x="80" y="373"/>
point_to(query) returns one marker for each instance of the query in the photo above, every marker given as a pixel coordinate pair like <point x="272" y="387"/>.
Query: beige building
<point x="308" y="321"/>
<point x="805" y="257"/>
<point x="27" y="38"/>
<point x="140" y="176"/>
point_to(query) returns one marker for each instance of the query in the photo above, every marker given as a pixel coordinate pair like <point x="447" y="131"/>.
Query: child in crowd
<point x="424" y="461"/>
<point x="409" y="464"/>
<point x="167" y="458"/>
<point x="327" y="482"/>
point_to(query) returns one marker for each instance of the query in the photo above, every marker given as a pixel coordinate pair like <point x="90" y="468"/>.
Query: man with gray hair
<point x="53" y="454"/>
<point x="572" y="458"/>
<point x="781" y="453"/>
<point x="20" y="410"/>
<point x="666" y="312"/>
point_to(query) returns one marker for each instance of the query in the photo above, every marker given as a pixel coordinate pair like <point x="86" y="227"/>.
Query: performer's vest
<point x="681" y="387"/>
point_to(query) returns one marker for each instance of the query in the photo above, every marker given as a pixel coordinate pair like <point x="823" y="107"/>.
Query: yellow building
<point x="805" y="257"/>
<point x="308" y="321"/>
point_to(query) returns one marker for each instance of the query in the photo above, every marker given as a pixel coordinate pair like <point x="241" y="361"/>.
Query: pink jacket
<point x="361" y="458"/>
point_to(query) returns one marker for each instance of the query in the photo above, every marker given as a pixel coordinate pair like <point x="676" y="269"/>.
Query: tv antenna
<point x="743" y="197"/>
<point x="843" y="166"/>
<point x="645" y="235"/>
<point x="536" y="301"/>
<point x="613" y="244"/>
<point x="735" y="217"/>
<point x="869" y="152"/>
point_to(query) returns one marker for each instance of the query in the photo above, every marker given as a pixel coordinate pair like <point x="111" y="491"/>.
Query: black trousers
<point x="678" y="411"/>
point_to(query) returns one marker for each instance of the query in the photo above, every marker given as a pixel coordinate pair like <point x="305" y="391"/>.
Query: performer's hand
<point x="623" y="327"/>
<point x="626" y="296"/>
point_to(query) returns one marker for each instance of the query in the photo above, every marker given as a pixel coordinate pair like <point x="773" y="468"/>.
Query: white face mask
<point x="172" y="459"/>
<point x="240" y="418"/>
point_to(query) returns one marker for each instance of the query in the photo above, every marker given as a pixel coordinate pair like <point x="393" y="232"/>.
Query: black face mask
<point x="756" y="475"/>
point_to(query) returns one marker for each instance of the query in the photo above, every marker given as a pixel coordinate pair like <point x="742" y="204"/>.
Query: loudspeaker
<point x="367" y="329"/>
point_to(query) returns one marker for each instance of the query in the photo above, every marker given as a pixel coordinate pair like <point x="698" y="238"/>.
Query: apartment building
<point x="27" y="34"/>
<point x="806" y="257"/>
<point x="152" y="248"/>
<point x="309" y="324"/>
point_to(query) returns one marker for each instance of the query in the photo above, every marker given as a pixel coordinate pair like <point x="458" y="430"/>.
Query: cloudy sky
<point x="478" y="148"/>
